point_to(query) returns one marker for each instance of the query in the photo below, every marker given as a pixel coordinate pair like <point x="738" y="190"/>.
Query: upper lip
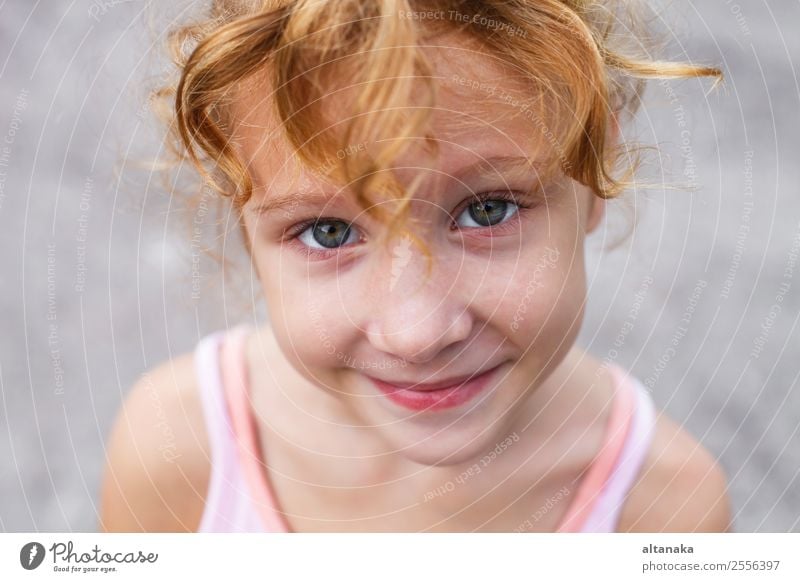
<point x="436" y="385"/>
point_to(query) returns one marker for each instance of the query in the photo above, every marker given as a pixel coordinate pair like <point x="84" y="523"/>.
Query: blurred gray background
<point x="101" y="280"/>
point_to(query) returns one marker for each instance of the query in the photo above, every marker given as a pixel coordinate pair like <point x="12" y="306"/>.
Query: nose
<point x="418" y="315"/>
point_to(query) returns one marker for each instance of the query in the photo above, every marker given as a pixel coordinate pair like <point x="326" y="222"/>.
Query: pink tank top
<point x="240" y="498"/>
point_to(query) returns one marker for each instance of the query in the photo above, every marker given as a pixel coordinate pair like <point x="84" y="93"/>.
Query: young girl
<point x="414" y="182"/>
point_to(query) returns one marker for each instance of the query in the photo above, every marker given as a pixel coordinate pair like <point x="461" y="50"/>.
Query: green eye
<point x="329" y="234"/>
<point x="488" y="212"/>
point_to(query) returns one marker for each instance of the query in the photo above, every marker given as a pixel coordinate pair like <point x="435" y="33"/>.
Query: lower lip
<point x="440" y="399"/>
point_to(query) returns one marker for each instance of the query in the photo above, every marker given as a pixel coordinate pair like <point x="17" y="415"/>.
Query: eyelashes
<point x="504" y="196"/>
<point x="324" y="237"/>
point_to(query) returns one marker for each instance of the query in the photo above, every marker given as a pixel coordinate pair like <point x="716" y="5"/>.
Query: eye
<point x="327" y="234"/>
<point x="489" y="210"/>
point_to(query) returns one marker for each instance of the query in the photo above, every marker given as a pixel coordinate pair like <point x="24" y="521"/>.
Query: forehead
<point x="483" y="109"/>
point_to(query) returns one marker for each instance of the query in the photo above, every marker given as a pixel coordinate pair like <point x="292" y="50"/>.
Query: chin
<point x="446" y="445"/>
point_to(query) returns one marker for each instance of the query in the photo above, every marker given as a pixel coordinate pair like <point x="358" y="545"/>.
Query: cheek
<point x="542" y="299"/>
<point x="306" y="315"/>
<point x="312" y="324"/>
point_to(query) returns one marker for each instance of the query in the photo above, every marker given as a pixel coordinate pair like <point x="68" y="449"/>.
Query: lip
<point x="436" y="396"/>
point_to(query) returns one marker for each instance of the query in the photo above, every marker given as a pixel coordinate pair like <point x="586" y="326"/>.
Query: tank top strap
<point x="248" y="450"/>
<point x="218" y="431"/>
<point x="587" y="496"/>
<point x="608" y="508"/>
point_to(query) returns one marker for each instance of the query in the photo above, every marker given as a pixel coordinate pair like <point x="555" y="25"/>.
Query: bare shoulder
<point x="681" y="487"/>
<point x="157" y="469"/>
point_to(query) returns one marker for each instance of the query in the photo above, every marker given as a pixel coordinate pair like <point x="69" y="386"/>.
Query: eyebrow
<point x="282" y="201"/>
<point x="475" y="170"/>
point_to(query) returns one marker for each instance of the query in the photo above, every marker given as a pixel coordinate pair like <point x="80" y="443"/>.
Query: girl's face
<point x="505" y="291"/>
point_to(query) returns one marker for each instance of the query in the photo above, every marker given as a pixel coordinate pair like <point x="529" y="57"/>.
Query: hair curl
<point x="590" y="58"/>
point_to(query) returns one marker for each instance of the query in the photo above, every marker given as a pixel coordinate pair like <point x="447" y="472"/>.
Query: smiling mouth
<point x="436" y="396"/>
<point x="430" y="386"/>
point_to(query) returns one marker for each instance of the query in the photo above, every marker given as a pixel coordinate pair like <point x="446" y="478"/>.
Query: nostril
<point x="420" y="342"/>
